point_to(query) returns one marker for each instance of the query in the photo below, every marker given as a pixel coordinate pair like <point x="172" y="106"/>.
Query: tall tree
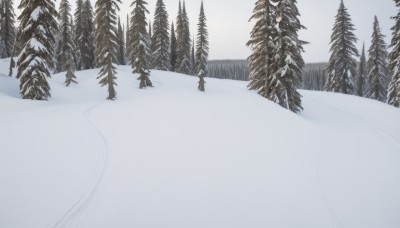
<point x="121" y="44"/>
<point x="85" y="44"/>
<point x="66" y="46"/>
<point x="140" y="43"/>
<point x="78" y="31"/>
<point x="160" y="45"/>
<point x="127" y="40"/>
<point x="289" y="60"/>
<point x="342" y="65"/>
<point x="173" y="48"/>
<point x="178" y="33"/>
<point x="202" y="49"/>
<point x="37" y="22"/>
<point x="7" y="28"/>
<point x="378" y="73"/>
<point x="183" y="42"/>
<point x="193" y="59"/>
<point x="361" y="75"/>
<point x="394" y="61"/>
<point x="262" y="43"/>
<point x="105" y="43"/>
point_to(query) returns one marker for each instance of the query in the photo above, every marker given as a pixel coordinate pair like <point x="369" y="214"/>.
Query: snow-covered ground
<point x="173" y="157"/>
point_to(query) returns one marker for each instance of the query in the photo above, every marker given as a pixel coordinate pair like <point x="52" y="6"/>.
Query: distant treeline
<point x="228" y="69"/>
<point x="314" y="76"/>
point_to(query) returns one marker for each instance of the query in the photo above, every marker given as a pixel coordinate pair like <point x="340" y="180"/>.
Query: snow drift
<point x="173" y="157"/>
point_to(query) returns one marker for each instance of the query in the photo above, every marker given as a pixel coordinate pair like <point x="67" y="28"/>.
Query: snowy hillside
<point x="173" y="157"/>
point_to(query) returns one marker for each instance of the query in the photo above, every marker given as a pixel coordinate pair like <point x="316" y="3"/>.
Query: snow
<point x="171" y="156"/>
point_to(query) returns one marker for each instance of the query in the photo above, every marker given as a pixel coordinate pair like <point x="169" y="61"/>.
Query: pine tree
<point x="361" y="75"/>
<point x="201" y="49"/>
<point x="289" y="60"/>
<point x="16" y="50"/>
<point x="262" y="43"/>
<point x="121" y="44"/>
<point x="2" y="45"/>
<point x="394" y="61"/>
<point x="7" y="28"/>
<point x="105" y="43"/>
<point x="140" y="43"/>
<point x="342" y="65"/>
<point x="183" y="42"/>
<point x="37" y="22"/>
<point x="128" y="41"/>
<point x="66" y="46"/>
<point x="192" y="59"/>
<point x="173" y="47"/>
<point x="378" y="72"/>
<point x="78" y="31"/>
<point x="160" y="45"/>
<point x="85" y="44"/>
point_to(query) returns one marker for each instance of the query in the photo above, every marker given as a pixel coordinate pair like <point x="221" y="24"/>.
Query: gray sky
<point x="229" y="27"/>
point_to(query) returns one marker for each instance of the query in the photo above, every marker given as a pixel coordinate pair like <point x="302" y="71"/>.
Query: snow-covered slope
<point x="173" y="157"/>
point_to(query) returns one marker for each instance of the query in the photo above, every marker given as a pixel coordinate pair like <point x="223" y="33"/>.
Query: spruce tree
<point x="7" y="28"/>
<point x="193" y="59"/>
<point x="106" y="43"/>
<point x="201" y="49"/>
<point x="66" y="46"/>
<point x="127" y="40"/>
<point x="183" y="42"/>
<point x="361" y="75"/>
<point x="394" y="61"/>
<point x="37" y="22"/>
<point x="140" y="43"/>
<point x="78" y="31"/>
<point x="342" y="66"/>
<point x="378" y="73"/>
<point x="173" y="48"/>
<point x="85" y="44"/>
<point x="121" y="44"/>
<point x="160" y="45"/>
<point x="289" y="60"/>
<point x="262" y="43"/>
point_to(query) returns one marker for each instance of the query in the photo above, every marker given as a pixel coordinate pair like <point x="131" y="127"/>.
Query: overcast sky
<point x="229" y="27"/>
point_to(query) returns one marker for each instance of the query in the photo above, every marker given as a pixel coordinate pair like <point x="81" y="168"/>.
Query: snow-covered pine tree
<point x="127" y="40"/>
<point x="160" y="45"/>
<point x="2" y="45"/>
<point x="193" y="59"/>
<point x="262" y="43"/>
<point x="202" y="49"/>
<point x="7" y="28"/>
<point x="394" y="61"/>
<point x="86" y="39"/>
<point x="178" y="33"/>
<point x="378" y="73"/>
<point x="173" y="47"/>
<point x="37" y="23"/>
<point x="362" y="74"/>
<point x="149" y="34"/>
<point x="140" y="43"/>
<point x="121" y="44"/>
<point x="66" y="45"/>
<point x="183" y="41"/>
<point x="78" y="31"/>
<point x="342" y="65"/>
<point x="16" y="50"/>
<point x="289" y="60"/>
<point x="106" y="43"/>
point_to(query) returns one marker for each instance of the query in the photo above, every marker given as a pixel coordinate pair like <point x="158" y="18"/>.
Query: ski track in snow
<point x="365" y="123"/>
<point x="73" y="214"/>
